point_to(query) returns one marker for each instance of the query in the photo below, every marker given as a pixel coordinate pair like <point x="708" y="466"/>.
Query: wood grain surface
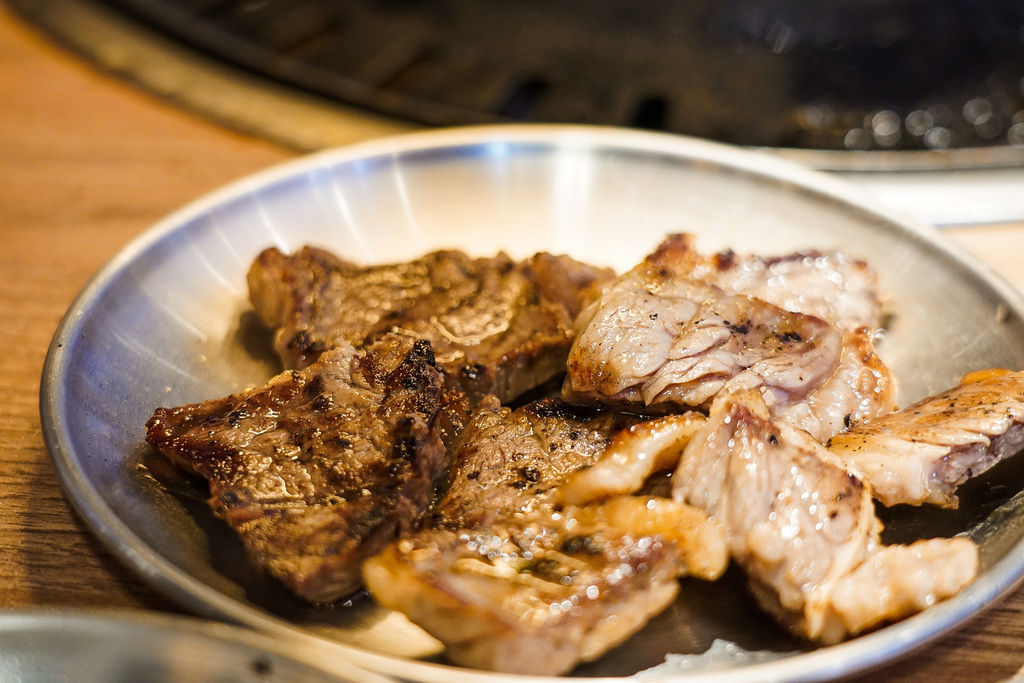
<point x="87" y="163"/>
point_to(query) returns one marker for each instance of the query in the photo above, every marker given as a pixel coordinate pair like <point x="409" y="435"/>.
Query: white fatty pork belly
<point x="830" y="285"/>
<point x="682" y="326"/>
<point x="800" y="523"/>
<point x="804" y="528"/>
<point x="655" y="338"/>
<point x="922" y="453"/>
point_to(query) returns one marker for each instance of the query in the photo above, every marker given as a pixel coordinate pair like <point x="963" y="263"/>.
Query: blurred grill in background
<point x="929" y="89"/>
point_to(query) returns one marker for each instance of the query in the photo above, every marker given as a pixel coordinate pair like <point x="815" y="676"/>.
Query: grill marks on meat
<point x="804" y="527"/>
<point x="323" y="466"/>
<point x="515" y="582"/>
<point x="539" y="594"/>
<point x="328" y="462"/>
<point x="512" y="462"/>
<point x="683" y="326"/>
<point x="922" y="453"/>
<point x="539" y="558"/>
<point x="656" y="337"/>
<point x="533" y="598"/>
<point x="496" y="325"/>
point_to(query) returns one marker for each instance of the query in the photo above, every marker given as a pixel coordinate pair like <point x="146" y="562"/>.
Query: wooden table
<point x="87" y="163"/>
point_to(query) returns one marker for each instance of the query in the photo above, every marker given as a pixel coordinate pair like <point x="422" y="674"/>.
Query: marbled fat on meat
<point x="827" y="284"/>
<point x="683" y="325"/>
<point x="830" y="285"/>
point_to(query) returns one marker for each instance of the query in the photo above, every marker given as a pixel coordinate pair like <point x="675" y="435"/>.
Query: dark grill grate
<point x="845" y="74"/>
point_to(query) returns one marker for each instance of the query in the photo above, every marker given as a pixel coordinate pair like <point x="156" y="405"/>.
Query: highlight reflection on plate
<point x="105" y="646"/>
<point x="166" y="323"/>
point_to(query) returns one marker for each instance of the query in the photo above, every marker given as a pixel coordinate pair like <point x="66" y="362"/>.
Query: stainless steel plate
<point x="100" y="647"/>
<point x="165" y="323"/>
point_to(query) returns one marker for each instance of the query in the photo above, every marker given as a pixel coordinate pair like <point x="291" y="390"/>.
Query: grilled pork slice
<point x="323" y="466"/>
<point x="511" y="462"/>
<point x="804" y="527"/>
<point x="634" y="455"/>
<point x="913" y="578"/>
<point x="496" y="325"/>
<point x="922" y="453"/>
<point x="656" y="337"/>
<point x="861" y="388"/>
<point x="827" y="284"/>
<point x="540" y="595"/>
<point x="798" y="327"/>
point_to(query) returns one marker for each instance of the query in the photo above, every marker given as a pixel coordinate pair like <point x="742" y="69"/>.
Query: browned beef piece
<point x="496" y="325"/>
<point x="323" y="466"/>
<point x="508" y="462"/>
<point x="566" y="281"/>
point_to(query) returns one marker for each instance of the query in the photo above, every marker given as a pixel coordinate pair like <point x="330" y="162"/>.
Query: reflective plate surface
<point x="102" y="647"/>
<point x="166" y="323"/>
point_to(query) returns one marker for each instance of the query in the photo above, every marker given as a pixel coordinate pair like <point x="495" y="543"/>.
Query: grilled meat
<point x="633" y="456"/>
<point x="540" y="594"/>
<point x="698" y="538"/>
<point x="655" y="337"/>
<point x="565" y="281"/>
<point x="861" y="388"/>
<point x="510" y="462"/>
<point x="682" y="326"/>
<point x="911" y="578"/>
<point x="496" y="325"/>
<point x="804" y="527"/>
<point x="796" y="519"/>
<point x="538" y="559"/>
<point x="323" y="466"/>
<point x="922" y="453"/>
<point x="829" y="285"/>
<point x="327" y="463"/>
<point x="512" y="581"/>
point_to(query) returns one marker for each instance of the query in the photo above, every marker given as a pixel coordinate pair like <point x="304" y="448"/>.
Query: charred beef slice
<point x="509" y="462"/>
<point x="321" y="467"/>
<point x="497" y="326"/>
